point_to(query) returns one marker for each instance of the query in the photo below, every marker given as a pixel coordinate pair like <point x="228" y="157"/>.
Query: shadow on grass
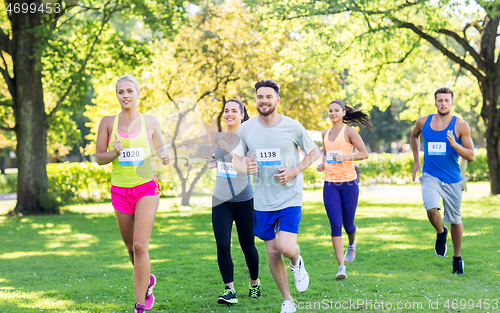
<point x="77" y="262"/>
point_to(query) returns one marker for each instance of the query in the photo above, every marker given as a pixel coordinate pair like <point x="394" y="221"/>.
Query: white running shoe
<point x="300" y="275"/>
<point x="342" y="272"/>
<point x="288" y="307"/>
<point x="350" y="254"/>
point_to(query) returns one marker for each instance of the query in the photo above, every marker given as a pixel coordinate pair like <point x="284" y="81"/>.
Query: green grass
<point x="76" y="262"/>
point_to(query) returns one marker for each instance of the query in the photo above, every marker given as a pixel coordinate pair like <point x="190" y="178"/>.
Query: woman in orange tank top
<point x="340" y="192"/>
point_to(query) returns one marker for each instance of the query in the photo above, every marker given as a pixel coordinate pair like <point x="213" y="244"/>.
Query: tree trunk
<point x="186" y="194"/>
<point x="2" y="165"/>
<point x="491" y="116"/>
<point x="221" y="113"/>
<point x="29" y="112"/>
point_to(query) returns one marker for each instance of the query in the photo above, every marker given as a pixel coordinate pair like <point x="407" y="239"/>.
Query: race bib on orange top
<point x="329" y="156"/>
<point x="131" y="157"/>
<point x="268" y="156"/>
<point x="225" y="169"/>
<point x="436" y="148"/>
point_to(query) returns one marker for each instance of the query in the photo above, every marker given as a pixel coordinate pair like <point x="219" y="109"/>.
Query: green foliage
<point x="71" y="182"/>
<point x="388" y="128"/>
<point x="478" y="169"/>
<point x="312" y="178"/>
<point x="89" y="182"/>
<point x="397" y="168"/>
<point x="378" y="59"/>
<point x="8" y="183"/>
<point x="86" y="182"/>
<point x="387" y="167"/>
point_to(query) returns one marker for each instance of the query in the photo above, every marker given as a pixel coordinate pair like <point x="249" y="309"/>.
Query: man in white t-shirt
<point x="273" y="140"/>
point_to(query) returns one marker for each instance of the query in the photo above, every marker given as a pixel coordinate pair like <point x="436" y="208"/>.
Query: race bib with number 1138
<point x="268" y="156"/>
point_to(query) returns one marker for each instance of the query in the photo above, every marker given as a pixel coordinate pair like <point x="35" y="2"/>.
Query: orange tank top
<point x="338" y="172"/>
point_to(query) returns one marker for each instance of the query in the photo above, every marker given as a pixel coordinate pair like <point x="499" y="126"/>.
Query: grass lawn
<point x="77" y="262"/>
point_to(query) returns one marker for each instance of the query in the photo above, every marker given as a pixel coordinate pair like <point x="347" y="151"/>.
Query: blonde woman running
<point x="126" y="140"/>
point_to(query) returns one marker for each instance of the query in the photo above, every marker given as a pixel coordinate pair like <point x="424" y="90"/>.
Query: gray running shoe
<point x="350" y="254"/>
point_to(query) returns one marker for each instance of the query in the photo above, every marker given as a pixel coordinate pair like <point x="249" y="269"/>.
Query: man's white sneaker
<point x="288" y="307"/>
<point x="300" y="275"/>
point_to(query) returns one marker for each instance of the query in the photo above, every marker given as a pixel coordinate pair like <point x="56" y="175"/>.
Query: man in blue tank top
<point x="446" y="138"/>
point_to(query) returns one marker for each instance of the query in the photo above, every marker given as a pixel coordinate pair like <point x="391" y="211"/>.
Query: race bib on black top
<point x="225" y="169"/>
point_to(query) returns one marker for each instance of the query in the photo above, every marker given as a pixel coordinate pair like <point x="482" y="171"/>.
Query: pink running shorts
<point x="125" y="199"/>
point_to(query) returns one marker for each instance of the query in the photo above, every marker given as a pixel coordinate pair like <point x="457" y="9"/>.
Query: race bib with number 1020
<point x="131" y="157"/>
<point x="225" y="169"/>
<point x="330" y="153"/>
<point x="436" y="148"/>
<point x="268" y="156"/>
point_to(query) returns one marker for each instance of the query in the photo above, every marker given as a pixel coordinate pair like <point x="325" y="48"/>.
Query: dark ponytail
<point x="353" y="116"/>
<point x="243" y="109"/>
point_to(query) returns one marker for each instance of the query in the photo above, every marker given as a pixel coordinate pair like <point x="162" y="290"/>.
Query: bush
<point x="397" y="168"/>
<point x="77" y="182"/>
<point x="387" y="168"/>
<point x="8" y="183"/>
<point x="478" y="169"/>
<point x="312" y="178"/>
<point x="85" y="182"/>
<point x="72" y="182"/>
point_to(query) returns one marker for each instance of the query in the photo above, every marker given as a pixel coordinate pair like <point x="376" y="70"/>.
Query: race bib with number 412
<point x="436" y="148"/>
<point x="225" y="169"/>
<point x="131" y="157"/>
<point x="268" y="156"/>
<point x="329" y="156"/>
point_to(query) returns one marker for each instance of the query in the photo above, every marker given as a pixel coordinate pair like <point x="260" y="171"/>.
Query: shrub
<point x="71" y="182"/>
<point x="76" y="182"/>
<point x="478" y="169"/>
<point x="8" y="183"/>
<point x="83" y="182"/>
<point x="398" y="168"/>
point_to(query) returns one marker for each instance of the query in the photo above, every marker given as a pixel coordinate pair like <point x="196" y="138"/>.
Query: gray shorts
<point x="432" y="192"/>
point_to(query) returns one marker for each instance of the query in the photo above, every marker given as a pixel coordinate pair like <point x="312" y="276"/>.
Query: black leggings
<point x="223" y="215"/>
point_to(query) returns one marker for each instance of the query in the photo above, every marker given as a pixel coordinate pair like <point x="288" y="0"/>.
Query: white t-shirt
<point x="273" y="148"/>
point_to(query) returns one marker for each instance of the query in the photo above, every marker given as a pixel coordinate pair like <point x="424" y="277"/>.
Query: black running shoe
<point x="441" y="248"/>
<point x="228" y="297"/>
<point x="458" y="266"/>
<point x="254" y="290"/>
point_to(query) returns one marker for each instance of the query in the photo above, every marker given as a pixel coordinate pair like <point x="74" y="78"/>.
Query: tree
<point x="389" y="129"/>
<point x="393" y="32"/>
<point x="217" y="55"/>
<point x="48" y="51"/>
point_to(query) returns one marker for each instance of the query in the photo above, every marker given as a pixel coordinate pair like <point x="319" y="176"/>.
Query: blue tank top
<point x="440" y="159"/>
